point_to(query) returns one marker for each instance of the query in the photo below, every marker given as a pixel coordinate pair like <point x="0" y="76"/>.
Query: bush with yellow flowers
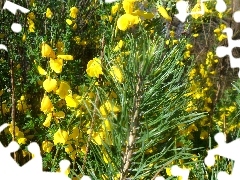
<point x="123" y="90"/>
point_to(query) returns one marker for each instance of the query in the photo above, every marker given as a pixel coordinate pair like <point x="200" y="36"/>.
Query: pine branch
<point x="133" y="131"/>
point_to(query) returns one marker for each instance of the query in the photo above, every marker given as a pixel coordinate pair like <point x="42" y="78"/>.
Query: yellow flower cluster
<point x="73" y="14"/>
<point x="30" y="22"/>
<point x="58" y="87"/>
<point x="131" y="17"/>
<point x="218" y="32"/>
<point x="19" y="135"/>
<point x="224" y="117"/>
<point x="201" y="98"/>
<point x="56" y="61"/>
<point x="197" y="10"/>
<point x="22" y="105"/>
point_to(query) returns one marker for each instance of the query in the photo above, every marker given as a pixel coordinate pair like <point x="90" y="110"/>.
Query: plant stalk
<point x="133" y="131"/>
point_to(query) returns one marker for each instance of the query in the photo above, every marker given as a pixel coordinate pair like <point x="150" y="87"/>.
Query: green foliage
<point x="136" y="98"/>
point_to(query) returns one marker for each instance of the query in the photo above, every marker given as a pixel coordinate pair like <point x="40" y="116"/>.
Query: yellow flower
<point x="209" y="83"/>
<point x="50" y="84"/>
<point x="143" y="14"/>
<point x="108" y="107"/>
<point x="77" y="39"/>
<point x="5" y="109"/>
<point x="168" y="171"/>
<point x="222" y="26"/>
<point x="48" y="119"/>
<point x="60" y="136"/>
<point x="116" y="73"/>
<point x="195" y="35"/>
<point x="232" y="108"/>
<point x="122" y="23"/>
<point x="47" y="146"/>
<point x="10" y="130"/>
<point x="204" y="134"/>
<point x="110" y="18"/>
<point x="72" y="155"/>
<point x="187" y="54"/>
<point x="49" y="13"/>
<point x="188" y="46"/>
<point x="84" y="149"/>
<point x="172" y="33"/>
<point x="59" y="114"/>
<point x="65" y="57"/>
<point x="71" y="102"/>
<point x="31" y="15"/>
<point x="47" y="51"/>
<point x="98" y="137"/>
<point x="69" y="22"/>
<point x="32" y="3"/>
<point x="106" y="158"/>
<point x="60" y="46"/>
<point x="74" y="134"/>
<point x="21" y="140"/>
<point x="56" y="65"/>
<point x="164" y="13"/>
<point x="21" y="106"/>
<point x="74" y="12"/>
<point x="220" y="15"/>
<point x="31" y="26"/>
<point x="222" y="37"/>
<point x="196" y="11"/>
<point x="63" y="89"/>
<point x="1" y="92"/>
<point x="69" y="148"/>
<point x="217" y="31"/>
<point x="46" y="105"/>
<point x="106" y="125"/>
<point x="22" y="98"/>
<point x="41" y="71"/>
<point x="119" y="45"/>
<point x="128" y="6"/>
<point x="24" y="37"/>
<point x="74" y="26"/>
<point x="94" y="68"/>
<point x="114" y="9"/>
<point x="126" y="21"/>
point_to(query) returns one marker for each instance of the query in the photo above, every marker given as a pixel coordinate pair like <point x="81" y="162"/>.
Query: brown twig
<point x="133" y="130"/>
<point x="13" y="110"/>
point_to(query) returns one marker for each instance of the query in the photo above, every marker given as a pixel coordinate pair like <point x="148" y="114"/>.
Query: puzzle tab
<point x="16" y="27"/>
<point x="227" y="150"/>
<point x="182" y="7"/>
<point x="223" y="51"/>
<point x="10" y="169"/>
<point x="177" y="171"/>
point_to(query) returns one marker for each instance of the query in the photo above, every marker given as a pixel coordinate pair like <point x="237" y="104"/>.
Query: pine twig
<point x="133" y="131"/>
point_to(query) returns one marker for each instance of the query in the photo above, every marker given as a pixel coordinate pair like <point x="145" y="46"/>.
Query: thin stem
<point x="94" y="114"/>
<point x="90" y="134"/>
<point x="133" y="132"/>
<point x="13" y="110"/>
<point x="55" y="156"/>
